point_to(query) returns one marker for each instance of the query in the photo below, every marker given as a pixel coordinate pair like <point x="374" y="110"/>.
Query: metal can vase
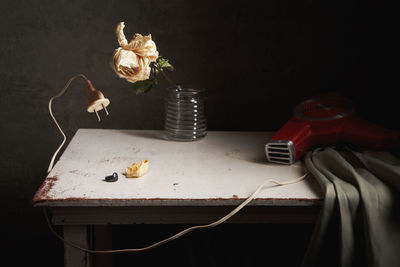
<point x="184" y="114"/>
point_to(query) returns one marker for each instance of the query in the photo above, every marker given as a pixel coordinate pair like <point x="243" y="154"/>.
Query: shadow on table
<point x="148" y="134"/>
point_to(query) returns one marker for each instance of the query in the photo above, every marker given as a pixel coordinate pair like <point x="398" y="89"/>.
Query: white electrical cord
<point x="218" y="222"/>
<point x="55" y="121"/>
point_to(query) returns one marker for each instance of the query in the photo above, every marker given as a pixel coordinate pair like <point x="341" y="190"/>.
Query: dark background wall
<point x="257" y="59"/>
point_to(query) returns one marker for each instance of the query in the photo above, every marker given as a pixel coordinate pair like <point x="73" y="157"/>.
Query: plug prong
<point x="105" y="109"/>
<point x="97" y="114"/>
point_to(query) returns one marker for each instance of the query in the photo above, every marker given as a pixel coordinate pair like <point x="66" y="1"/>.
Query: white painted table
<point x="187" y="182"/>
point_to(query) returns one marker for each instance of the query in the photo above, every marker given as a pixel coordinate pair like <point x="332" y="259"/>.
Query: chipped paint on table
<point x="221" y="169"/>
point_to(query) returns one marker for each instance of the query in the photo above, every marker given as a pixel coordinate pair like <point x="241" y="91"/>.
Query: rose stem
<point x="166" y="78"/>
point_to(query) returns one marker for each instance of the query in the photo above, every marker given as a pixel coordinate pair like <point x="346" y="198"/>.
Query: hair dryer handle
<point x="364" y="133"/>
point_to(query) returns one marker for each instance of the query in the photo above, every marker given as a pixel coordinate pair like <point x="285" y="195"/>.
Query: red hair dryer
<point x="326" y="120"/>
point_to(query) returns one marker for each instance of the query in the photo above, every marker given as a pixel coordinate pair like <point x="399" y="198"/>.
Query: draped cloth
<point x="359" y="222"/>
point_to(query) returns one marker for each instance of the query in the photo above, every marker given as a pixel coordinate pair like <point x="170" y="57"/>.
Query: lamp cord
<point x="54" y="119"/>
<point x="181" y="233"/>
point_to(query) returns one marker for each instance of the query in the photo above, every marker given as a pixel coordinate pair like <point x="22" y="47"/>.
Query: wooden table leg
<point x="102" y="240"/>
<point x="74" y="257"/>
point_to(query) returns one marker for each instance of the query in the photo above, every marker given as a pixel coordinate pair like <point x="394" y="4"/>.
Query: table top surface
<point x="221" y="169"/>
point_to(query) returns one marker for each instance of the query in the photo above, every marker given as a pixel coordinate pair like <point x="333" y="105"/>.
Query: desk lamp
<point x="96" y="102"/>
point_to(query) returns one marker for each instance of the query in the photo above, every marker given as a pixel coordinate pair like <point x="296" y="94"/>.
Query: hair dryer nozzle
<point x="280" y="151"/>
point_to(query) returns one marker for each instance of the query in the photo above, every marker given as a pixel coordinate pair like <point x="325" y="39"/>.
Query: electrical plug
<point x="96" y="100"/>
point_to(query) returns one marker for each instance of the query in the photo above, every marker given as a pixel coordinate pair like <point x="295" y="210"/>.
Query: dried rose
<point x="132" y="60"/>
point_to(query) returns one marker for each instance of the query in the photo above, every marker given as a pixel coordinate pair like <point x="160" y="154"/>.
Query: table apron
<point x="181" y="215"/>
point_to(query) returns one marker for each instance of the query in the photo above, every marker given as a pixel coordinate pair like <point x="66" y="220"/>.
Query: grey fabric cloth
<point x="361" y="207"/>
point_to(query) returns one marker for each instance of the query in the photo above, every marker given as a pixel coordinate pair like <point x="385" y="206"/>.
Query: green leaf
<point x="164" y="63"/>
<point x="142" y="87"/>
